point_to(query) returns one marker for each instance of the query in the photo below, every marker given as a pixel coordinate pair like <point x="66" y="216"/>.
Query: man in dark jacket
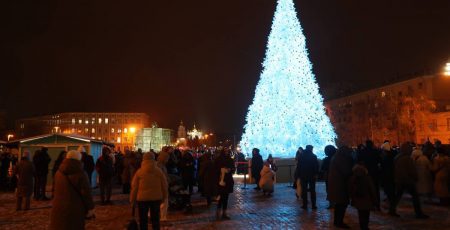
<point x="88" y="163"/>
<point x="371" y="158"/>
<point x="257" y="165"/>
<point x="41" y="159"/>
<point x="308" y="170"/>
<point x="105" y="170"/>
<point x="224" y="166"/>
<point x="405" y="176"/>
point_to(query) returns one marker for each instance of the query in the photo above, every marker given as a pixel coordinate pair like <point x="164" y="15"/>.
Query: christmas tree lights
<point x="287" y="111"/>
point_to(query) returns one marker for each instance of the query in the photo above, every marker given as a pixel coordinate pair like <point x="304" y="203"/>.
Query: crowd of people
<point x="157" y="181"/>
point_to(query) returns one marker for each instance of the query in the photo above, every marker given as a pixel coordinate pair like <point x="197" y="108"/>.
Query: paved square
<point x="248" y="209"/>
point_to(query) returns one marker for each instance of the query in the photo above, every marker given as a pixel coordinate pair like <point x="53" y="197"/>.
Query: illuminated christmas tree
<point x="287" y="111"/>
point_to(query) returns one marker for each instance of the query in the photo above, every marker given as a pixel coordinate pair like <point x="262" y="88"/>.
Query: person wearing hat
<point x="72" y="203"/>
<point x="148" y="189"/>
<point x="25" y="174"/>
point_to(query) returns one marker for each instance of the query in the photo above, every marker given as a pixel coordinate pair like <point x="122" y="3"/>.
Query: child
<point x="267" y="179"/>
<point x="362" y="194"/>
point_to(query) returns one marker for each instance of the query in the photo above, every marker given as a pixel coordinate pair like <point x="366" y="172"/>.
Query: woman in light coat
<point x="267" y="179"/>
<point x="423" y="168"/>
<point x="441" y="168"/>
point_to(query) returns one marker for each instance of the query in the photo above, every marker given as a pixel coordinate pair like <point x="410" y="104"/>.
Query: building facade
<point x="117" y="128"/>
<point x="413" y="110"/>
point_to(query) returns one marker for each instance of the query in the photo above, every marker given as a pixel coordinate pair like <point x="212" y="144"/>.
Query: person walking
<point x="405" y="177"/>
<point x="88" y="163"/>
<point x="41" y="159"/>
<point x="256" y="167"/>
<point x="224" y="167"/>
<point x="25" y="174"/>
<point x="105" y="170"/>
<point x="338" y="178"/>
<point x="149" y="187"/>
<point x="308" y="170"/>
<point x="72" y="203"/>
<point x="362" y="194"/>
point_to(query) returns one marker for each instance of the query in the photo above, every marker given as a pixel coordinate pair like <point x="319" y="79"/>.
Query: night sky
<point x="199" y="61"/>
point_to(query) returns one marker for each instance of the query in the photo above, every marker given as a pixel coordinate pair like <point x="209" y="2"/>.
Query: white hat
<point x="74" y="154"/>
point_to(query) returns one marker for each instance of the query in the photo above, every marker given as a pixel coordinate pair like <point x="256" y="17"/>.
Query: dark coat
<point x="362" y="190"/>
<point x="404" y="170"/>
<point x="208" y="176"/>
<point x="257" y="165"/>
<point x="41" y="159"/>
<point x="69" y="208"/>
<point x="88" y="163"/>
<point x="338" y="177"/>
<point x="104" y="167"/>
<point x="187" y="168"/>
<point x="307" y="166"/>
<point x="130" y="166"/>
<point x="224" y="162"/>
<point x="372" y="159"/>
<point x="387" y="168"/>
<point x="25" y="175"/>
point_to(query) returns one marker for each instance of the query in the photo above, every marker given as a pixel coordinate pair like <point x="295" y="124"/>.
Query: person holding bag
<point x="72" y="203"/>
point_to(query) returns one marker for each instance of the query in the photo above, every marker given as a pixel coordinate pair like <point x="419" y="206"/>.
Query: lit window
<point x="73" y="130"/>
<point x="73" y="121"/>
<point x="86" y="130"/>
<point x="119" y="130"/>
<point x="118" y="140"/>
<point x="86" y="122"/>
<point x="106" y="120"/>
<point x="383" y="94"/>
<point x="93" y="130"/>
<point x="80" y="121"/>
<point x="93" y="120"/>
<point x="99" y="120"/>
<point x="125" y="130"/>
<point x="112" y="130"/>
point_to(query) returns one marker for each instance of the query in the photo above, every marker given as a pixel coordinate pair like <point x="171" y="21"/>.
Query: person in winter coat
<point x="25" y="174"/>
<point x="105" y="170"/>
<point x="130" y="165"/>
<point x="256" y="166"/>
<point x="423" y="168"/>
<point x="88" y="163"/>
<point x="308" y="170"/>
<point x="441" y="167"/>
<point x="271" y="162"/>
<point x="59" y="160"/>
<point x="362" y="194"/>
<point x="187" y="169"/>
<point x="329" y="153"/>
<point x="405" y="177"/>
<point x="73" y="202"/>
<point x="267" y="179"/>
<point x="387" y="176"/>
<point x="163" y="158"/>
<point x="372" y="160"/>
<point x="338" y="178"/>
<point x="224" y="166"/>
<point x="148" y="189"/>
<point x="208" y="177"/>
<point x="41" y="159"/>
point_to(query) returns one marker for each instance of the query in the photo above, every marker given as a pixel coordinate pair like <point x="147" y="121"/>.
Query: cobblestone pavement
<point x="248" y="209"/>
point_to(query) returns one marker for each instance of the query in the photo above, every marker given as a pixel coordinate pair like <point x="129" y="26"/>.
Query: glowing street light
<point x="9" y="136"/>
<point x="132" y="129"/>
<point x="447" y="69"/>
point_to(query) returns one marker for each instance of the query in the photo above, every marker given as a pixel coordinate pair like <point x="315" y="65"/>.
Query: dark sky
<point x="199" y="61"/>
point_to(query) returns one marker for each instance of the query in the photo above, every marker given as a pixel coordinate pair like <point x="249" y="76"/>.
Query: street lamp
<point x="447" y="69"/>
<point x="9" y="136"/>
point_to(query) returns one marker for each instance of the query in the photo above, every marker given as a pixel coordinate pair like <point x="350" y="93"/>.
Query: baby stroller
<point x="179" y="197"/>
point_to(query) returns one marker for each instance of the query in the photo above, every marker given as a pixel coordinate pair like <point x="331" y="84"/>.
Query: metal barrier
<point x="291" y="179"/>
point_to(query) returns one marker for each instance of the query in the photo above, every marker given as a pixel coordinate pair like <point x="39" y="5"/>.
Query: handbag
<point x="79" y="194"/>
<point x="132" y="224"/>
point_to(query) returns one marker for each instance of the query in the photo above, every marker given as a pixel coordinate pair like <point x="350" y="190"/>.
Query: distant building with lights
<point x="154" y="138"/>
<point x="194" y="133"/>
<point x="117" y="128"/>
<point x="416" y="110"/>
